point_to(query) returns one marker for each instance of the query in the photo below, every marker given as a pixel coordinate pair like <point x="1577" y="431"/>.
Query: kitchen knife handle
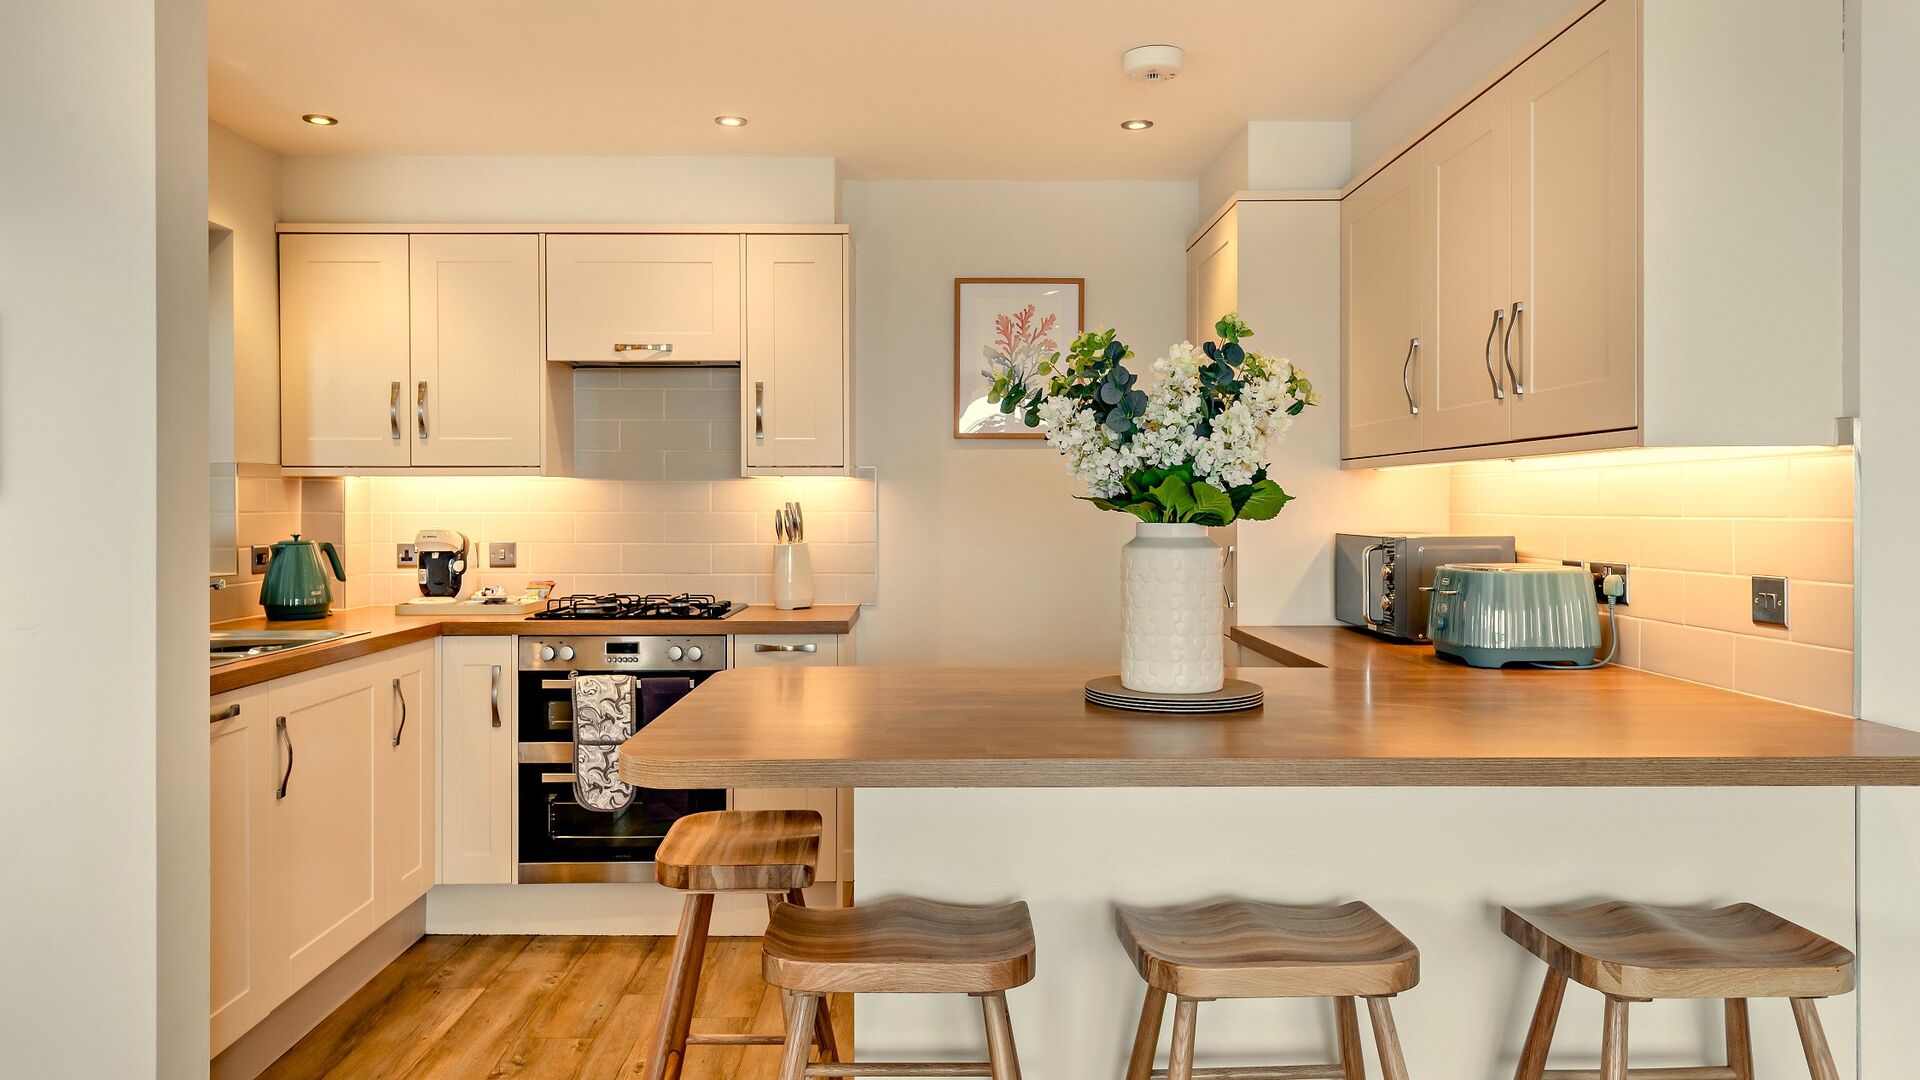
<point x="1499" y="315"/>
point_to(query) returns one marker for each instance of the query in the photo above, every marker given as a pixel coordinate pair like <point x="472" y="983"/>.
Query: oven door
<point x="561" y="841"/>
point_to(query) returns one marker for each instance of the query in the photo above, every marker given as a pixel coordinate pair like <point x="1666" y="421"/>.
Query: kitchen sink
<point x="227" y="646"/>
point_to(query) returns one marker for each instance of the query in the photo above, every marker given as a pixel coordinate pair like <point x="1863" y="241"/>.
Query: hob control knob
<point x="547" y="653"/>
<point x="674" y="652"/>
<point x="694" y="653"/>
<point x="566" y="652"/>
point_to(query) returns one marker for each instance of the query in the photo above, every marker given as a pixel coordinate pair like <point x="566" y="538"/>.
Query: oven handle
<point x="556" y="684"/>
<point x="557" y="778"/>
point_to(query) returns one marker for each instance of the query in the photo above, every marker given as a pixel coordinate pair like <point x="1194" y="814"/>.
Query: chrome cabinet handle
<point x="496" y="695"/>
<point x="1366" y="584"/>
<point x="1406" y="367"/>
<point x="1226" y="574"/>
<point x="227" y="713"/>
<point x="767" y="646"/>
<point x="280" y="726"/>
<point x="393" y="411"/>
<point x="760" y="411"/>
<point x="1499" y="314"/>
<point x="420" y="410"/>
<point x="1506" y="349"/>
<point x="664" y="348"/>
<point x="402" y="695"/>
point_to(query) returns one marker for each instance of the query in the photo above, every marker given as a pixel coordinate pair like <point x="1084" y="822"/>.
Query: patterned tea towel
<point x="603" y="718"/>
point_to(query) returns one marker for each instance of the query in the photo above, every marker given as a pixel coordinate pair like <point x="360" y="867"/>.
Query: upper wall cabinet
<point x="794" y="398"/>
<point x="1547" y="271"/>
<point x="415" y="351"/>
<point x="667" y="297"/>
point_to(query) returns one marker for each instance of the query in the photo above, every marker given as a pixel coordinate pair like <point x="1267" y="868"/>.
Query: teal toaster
<point x="1491" y="614"/>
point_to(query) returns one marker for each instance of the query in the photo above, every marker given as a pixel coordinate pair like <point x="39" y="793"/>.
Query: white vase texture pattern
<point x="1171" y="610"/>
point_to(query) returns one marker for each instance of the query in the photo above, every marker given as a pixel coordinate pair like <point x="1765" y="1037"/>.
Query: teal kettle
<point x="296" y="585"/>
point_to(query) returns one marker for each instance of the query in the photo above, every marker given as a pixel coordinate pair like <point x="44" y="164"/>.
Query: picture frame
<point x="1002" y="323"/>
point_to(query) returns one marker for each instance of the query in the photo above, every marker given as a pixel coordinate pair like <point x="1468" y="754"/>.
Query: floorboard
<point x="540" y="1008"/>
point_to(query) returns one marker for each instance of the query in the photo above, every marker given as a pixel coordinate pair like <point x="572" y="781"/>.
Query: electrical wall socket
<point x="1770" y="601"/>
<point x="503" y="553"/>
<point x="1599" y="572"/>
<point x="406" y="555"/>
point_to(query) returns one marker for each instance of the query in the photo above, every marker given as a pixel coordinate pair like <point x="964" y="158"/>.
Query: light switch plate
<point x="1770" y="601"/>
<point x="406" y="555"/>
<point x="258" y="556"/>
<point x="503" y="553"/>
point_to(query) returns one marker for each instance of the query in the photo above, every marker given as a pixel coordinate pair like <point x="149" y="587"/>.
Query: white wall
<point x="559" y="190"/>
<point x="103" y="970"/>
<point x="984" y="556"/>
<point x="1490" y="33"/>
<point x="1279" y="155"/>
<point x="243" y="195"/>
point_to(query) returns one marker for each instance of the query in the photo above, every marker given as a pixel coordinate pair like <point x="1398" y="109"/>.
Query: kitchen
<point x="710" y="350"/>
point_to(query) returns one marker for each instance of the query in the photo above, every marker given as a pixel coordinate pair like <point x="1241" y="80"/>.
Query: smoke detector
<point x="1153" y="63"/>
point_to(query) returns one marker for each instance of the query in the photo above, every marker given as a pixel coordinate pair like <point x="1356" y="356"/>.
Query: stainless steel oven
<point x="559" y="840"/>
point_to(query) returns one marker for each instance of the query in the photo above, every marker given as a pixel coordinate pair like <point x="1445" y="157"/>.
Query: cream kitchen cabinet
<point x="1608" y="250"/>
<point x="794" y="382"/>
<point x="411" y="351"/>
<point x="665" y="296"/>
<point x="800" y="650"/>
<point x="249" y="975"/>
<point x="1213" y="276"/>
<point x="406" y="802"/>
<point x="476" y="761"/>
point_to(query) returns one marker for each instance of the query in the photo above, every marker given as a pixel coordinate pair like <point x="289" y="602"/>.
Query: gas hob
<point x="626" y="607"/>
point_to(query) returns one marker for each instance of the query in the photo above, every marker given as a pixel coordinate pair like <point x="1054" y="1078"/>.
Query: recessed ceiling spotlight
<point x="319" y="119"/>
<point x="730" y="121"/>
<point x="1136" y="125"/>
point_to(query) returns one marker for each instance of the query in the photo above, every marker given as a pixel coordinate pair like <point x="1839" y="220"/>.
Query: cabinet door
<point x="681" y="291"/>
<point x="1464" y="248"/>
<point x="1382" y="312"/>
<point x="344" y="350"/>
<point x="476" y="760"/>
<point x="1213" y="276"/>
<point x="794" y="401"/>
<point x="474" y="399"/>
<point x="325" y="867"/>
<point x="1575" y="121"/>
<point x="794" y="650"/>
<point x="249" y="971"/>
<point x="404" y="793"/>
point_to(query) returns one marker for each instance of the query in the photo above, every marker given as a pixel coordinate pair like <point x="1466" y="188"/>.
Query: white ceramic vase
<point x="1171" y="610"/>
<point x="792" y="577"/>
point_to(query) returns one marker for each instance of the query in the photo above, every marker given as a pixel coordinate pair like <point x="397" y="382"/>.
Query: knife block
<point x="792" y="577"/>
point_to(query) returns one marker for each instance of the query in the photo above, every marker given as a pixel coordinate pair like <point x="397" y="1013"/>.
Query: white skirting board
<point x="1438" y="863"/>
<point x="616" y="909"/>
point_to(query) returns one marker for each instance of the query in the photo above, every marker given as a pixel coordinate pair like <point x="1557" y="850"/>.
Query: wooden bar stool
<point x="764" y="851"/>
<point x="1633" y="952"/>
<point x="1246" y="949"/>
<point x="899" y="946"/>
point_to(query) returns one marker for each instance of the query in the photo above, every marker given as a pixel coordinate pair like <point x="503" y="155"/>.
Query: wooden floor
<point x="552" y="1008"/>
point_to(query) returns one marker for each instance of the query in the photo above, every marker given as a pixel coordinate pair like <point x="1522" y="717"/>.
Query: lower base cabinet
<point x="246" y="982"/>
<point x="477" y="741"/>
<point x="800" y="650"/>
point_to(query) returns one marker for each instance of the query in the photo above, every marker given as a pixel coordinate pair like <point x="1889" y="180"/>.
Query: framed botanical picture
<point x="1002" y="329"/>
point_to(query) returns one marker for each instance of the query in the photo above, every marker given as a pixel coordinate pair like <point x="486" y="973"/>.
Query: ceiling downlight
<point x="731" y="121"/>
<point x="320" y="119"/>
<point x="1136" y="125"/>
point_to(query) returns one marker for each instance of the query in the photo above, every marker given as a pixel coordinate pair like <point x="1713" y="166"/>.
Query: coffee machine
<point x="443" y="560"/>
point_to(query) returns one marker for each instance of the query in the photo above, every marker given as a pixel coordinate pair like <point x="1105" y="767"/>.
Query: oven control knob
<point x="694" y="653"/>
<point x="566" y="652"/>
<point x="674" y="652"/>
<point x="547" y="653"/>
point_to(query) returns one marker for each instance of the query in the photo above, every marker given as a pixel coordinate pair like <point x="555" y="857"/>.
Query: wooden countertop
<point x="1352" y="711"/>
<point x="385" y="630"/>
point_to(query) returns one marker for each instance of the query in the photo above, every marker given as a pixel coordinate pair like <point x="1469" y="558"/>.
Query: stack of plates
<point x="1233" y="696"/>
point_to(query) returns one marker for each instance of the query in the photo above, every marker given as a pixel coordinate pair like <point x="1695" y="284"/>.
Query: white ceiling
<point x="891" y="88"/>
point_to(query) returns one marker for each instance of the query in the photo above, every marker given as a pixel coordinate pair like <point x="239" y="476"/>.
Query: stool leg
<point x="1386" y="1039"/>
<point x="1347" y="1019"/>
<point x="667" y="1050"/>
<point x="1613" y="1041"/>
<point x="1814" y="1040"/>
<point x="1146" y="1038"/>
<point x="823" y="1034"/>
<point x="1546" y="1016"/>
<point x="1000" y="1052"/>
<point x="1739" y="1040"/>
<point x="1186" y="1011"/>
<point x="793" y="1059"/>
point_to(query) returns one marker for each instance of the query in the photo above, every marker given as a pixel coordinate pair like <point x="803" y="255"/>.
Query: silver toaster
<point x="1382" y="583"/>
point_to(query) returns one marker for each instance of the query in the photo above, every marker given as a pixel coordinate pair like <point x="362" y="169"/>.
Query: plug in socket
<point x="406" y="555"/>
<point x="258" y="556"/>
<point x="1599" y="572"/>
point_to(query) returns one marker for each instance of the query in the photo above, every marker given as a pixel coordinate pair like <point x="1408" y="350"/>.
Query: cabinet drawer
<point x="786" y="650"/>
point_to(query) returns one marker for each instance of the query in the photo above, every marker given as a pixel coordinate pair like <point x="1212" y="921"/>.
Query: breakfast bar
<point x="1375" y="772"/>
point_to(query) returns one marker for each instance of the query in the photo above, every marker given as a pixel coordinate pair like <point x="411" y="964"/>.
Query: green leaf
<point x="1212" y="506"/>
<point x="1032" y="419"/>
<point x="1176" y="495"/>
<point x="1264" y="501"/>
<point x="1145" y="511"/>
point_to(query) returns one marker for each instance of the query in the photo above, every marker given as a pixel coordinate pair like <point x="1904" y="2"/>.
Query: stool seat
<point x="1248" y="949"/>
<point x="902" y="945"/>
<point x="1638" y="951"/>
<point x="740" y="851"/>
